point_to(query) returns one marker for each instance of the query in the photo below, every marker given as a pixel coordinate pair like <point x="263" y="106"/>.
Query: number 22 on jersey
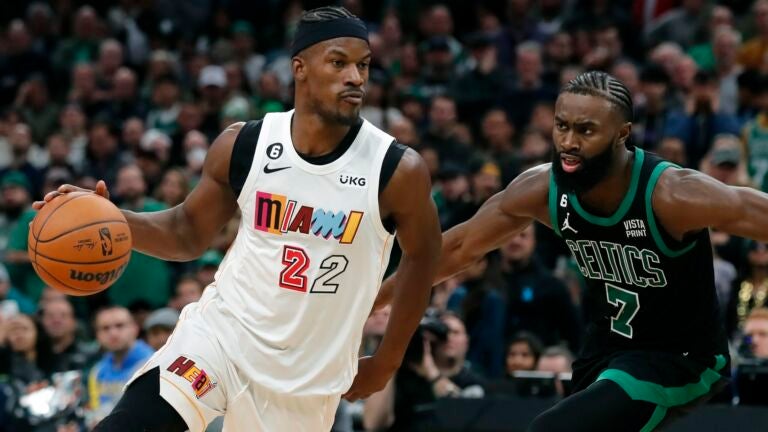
<point x="295" y="264"/>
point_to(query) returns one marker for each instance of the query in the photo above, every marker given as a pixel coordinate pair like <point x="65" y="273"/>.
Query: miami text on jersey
<point x="277" y="214"/>
<point x="614" y="262"/>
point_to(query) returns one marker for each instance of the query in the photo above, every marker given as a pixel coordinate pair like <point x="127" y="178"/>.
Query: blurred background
<point x="134" y="91"/>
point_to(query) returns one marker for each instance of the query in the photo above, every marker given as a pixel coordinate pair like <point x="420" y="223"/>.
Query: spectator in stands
<point x="523" y="352"/>
<point x="752" y="53"/>
<point x="188" y="290"/>
<point x="130" y="189"/>
<point x="755" y="136"/>
<point x="12" y="298"/>
<point x="673" y="150"/>
<point x="528" y="88"/>
<point x="477" y="91"/>
<point x="25" y="156"/>
<point x="679" y="25"/>
<point x="58" y="320"/>
<point x="702" y="53"/>
<point x="441" y="133"/>
<point x="159" y="325"/>
<point x="752" y="291"/>
<point x="125" y="102"/>
<point x="701" y="120"/>
<point x="536" y="301"/>
<point x="208" y="263"/>
<point x="174" y="187"/>
<point x="478" y="301"/>
<point x="21" y="61"/>
<point x="651" y="108"/>
<point x="441" y="371"/>
<point x="166" y="105"/>
<point x="116" y="332"/>
<point x="36" y="107"/>
<point x="725" y="161"/>
<point x="373" y="330"/>
<point x="72" y="124"/>
<point x="558" y="360"/>
<point x="756" y="329"/>
<point x="28" y="362"/>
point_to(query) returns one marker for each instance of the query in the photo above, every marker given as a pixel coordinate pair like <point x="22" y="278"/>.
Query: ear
<point x="299" y="67"/>
<point x="624" y="133"/>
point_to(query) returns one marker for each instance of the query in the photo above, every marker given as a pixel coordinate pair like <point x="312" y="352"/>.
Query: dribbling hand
<point x="371" y="377"/>
<point x="101" y="189"/>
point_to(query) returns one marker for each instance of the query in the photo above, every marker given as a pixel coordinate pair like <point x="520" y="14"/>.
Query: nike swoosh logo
<point x="268" y="170"/>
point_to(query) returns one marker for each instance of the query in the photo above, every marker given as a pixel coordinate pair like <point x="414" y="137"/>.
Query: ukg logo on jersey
<point x="276" y="214"/>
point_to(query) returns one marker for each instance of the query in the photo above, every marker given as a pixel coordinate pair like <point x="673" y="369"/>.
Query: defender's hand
<point x="371" y="377"/>
<point x="101" y="189"/>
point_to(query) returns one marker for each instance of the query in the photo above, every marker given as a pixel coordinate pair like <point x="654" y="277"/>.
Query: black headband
<point x="310" y="33"/>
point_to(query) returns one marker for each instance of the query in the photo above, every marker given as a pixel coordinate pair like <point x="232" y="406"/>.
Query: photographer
<point x="434" y="367"/>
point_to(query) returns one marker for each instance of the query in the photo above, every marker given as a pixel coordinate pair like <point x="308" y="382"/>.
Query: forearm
<point x="165" y="234"/>
<point x="410" y="299"/>
<point x="452" y="261"/>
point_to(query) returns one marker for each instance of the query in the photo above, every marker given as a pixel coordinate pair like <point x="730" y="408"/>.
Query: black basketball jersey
<point x="645" y="290"/>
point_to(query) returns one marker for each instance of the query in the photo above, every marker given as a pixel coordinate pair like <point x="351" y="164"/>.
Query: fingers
<point x="101" y="189"/>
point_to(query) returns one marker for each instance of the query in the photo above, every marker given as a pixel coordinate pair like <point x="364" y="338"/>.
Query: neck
<point x="759" y="274"/>
<point x="119" y="356"/>
<point x="30" y="355"/>
<point x="448" y="366"/>
<point x="511" y="266"/>
<point x="61" y="344"/>
<point x="608" y="193"/>
<point x="135" y="203"/>
<point x="314" y="136"/>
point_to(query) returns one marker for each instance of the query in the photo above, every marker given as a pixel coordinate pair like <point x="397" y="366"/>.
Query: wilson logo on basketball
<point x="106" y="241"/>
<point x="100" y="277"/>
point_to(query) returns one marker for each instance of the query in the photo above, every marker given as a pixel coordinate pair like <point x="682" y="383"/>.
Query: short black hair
<point x="325" y="13"/>
<point x="603" y="85"/>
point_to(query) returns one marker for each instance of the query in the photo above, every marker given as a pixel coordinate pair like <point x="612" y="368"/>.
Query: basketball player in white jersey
<point x="272" y="344"/>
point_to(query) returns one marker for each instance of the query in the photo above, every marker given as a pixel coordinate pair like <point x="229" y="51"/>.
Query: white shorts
<point x="201" y="383"/>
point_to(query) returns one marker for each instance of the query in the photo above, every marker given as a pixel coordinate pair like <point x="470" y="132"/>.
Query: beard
<point x="589" y="174"/>
<point x="332" y="115"/>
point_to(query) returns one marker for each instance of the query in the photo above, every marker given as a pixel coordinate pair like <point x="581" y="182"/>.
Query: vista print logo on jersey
<point x="276" y="214"/>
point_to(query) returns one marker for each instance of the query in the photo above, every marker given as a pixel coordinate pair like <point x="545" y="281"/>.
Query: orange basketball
<point x="79" y="243"/>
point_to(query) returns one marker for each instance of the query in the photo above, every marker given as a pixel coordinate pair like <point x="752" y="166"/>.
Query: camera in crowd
<point x="430" y="328"/>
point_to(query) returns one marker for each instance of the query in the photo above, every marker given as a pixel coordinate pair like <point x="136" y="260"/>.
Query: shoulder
<point x="683" y="187"/>
<point x="411" y="171"/>
<point x="220" y="153"/>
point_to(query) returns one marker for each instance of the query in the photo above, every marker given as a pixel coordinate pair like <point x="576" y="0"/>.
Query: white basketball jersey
<point x="293" y="292"/>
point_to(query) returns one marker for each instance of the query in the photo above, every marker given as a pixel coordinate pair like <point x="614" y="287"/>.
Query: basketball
<point x="79" y="243"/>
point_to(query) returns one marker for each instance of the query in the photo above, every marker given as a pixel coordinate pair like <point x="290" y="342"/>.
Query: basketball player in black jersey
<point x="638" y="228"/>
<point x="330" y="63"/>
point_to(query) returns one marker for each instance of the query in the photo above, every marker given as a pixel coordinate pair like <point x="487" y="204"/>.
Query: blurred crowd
<point x="134" y="91"/>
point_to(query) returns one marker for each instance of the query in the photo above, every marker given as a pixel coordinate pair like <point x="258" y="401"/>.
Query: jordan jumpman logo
<point x="567" y="225"/>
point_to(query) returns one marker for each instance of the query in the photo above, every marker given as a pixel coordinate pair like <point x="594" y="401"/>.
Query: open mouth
<point x="570" y="163"/>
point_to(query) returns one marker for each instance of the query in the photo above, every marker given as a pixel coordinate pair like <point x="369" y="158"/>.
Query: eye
<point x="561" y="126"/>
<point x="337" y="63"/>
<point x="363" y="65"/>
<point x="588" y="131"/>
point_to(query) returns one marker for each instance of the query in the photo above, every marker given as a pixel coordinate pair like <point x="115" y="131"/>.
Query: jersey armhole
<point x="655" y="231"/>
<point x="391" y="160"/>
<point x="243" y="152"/>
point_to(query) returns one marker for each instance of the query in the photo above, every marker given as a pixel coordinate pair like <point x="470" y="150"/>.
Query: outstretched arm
<point x="501" y="217"/>
<point x="686" y="201"/>
<point x="182" y="233"/>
